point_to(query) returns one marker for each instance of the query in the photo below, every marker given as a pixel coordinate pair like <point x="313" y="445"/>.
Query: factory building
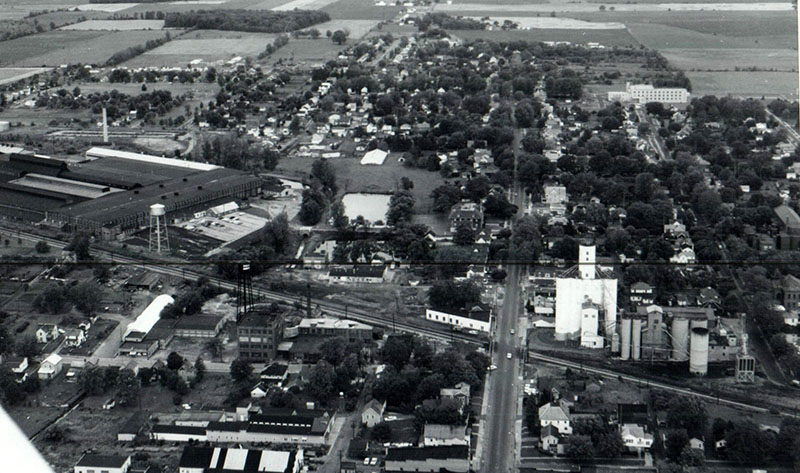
<point x="110" y="192"/>
<point x="586" y="302"/>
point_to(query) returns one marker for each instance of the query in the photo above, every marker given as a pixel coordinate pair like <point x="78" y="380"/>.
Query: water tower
<point x="158" y="228"/>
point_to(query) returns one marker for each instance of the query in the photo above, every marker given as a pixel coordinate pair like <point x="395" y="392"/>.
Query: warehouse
<point x="125" y="212"/>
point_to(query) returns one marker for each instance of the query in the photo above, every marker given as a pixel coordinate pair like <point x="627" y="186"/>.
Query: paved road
<point x="792" y="133"/>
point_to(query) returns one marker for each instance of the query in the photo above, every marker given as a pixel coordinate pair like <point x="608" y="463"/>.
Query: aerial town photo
<point x="429" y="236"/>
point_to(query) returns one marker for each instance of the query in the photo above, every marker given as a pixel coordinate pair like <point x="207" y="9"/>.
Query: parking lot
<point x="226" y="228"/>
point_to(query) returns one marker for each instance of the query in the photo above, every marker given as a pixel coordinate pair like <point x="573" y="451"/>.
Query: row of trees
<point x="262" y="21"/>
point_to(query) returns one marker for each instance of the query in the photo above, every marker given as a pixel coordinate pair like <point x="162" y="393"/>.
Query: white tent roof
<point x="149" y="315"/>
<point x="376" y="156"/>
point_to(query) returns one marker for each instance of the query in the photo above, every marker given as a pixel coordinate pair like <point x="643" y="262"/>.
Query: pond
<point x="372" y="207"/>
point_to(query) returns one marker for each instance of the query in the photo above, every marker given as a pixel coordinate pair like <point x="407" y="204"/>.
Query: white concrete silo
<point x="625" y="338"/>
<point x="698" y="355"/>
<point x="636" y="339"/>
<point x="680" y="339"/>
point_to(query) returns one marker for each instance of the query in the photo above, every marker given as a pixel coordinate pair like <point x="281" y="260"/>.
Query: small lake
<point x="372" y="207"/>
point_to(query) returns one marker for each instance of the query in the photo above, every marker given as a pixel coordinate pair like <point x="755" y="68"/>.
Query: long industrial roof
<point x="180" y="163"/>
<point x="150" y="315"/>
<point x="64" y="186"/>
<point x="122" y="204"/>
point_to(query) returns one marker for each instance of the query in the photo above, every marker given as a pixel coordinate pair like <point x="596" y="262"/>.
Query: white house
<point x="90" y="463"/>
<point x="476" y="318"/>
<point x="556" y="413"/>
<point x="635" y="437"/>
<point x="550" y="440"/>
<point x="685" y="256"/>
<point x="259" y="391"/>
<point x="74" y="337"/>
<point x="51" y="366"/>
<point x="46" y="332"/>
<point x="435" y="435"/>
<point x="372" y="414"/>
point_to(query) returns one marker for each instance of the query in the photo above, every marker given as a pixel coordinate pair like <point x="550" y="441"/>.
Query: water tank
<point x="625" y="338"/>
<point x="680" y="339"/>
<point x="157" y="210"/>
<point x="636" y="339"/>
<point x="698" y="360"/>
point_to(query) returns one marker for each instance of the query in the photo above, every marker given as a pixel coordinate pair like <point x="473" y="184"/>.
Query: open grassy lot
<point x="658" y="36"/>
<point x="58" y="47"/>
<point x="730" y="59"/>
<point x="360" y="10"/>
<point x="609" y="38"/>
<point x="351" y="176"/>
<point x="207" y="45"/>
<point x="577" y="7"/>
<point x="746" y="84"/>
<point x="307" y="51"/>
<point x="357" y="28"/>
<point x="303" y="5"/>
<point x="116" y="25"/>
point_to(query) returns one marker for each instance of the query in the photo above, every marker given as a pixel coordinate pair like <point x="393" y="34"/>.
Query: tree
<point x="199" y="369"/>
<point x="42" y="247"/>
<point x="6" y="342"/>
<point x="80" y="246"/>
<point x="406" y="183"/>
<point x="401" y="208"/>
<point x="174" y="361"/>
<point x="677" y="440"/>
<point x="464" y="235"/>
<point x="339" y="37"/>
<point x="52" y="299"/>
<point x="27" y="346"/>
<point x="91" y="380"/>
<point x="382" y="432"/>
<point x="397" y="351"/>
<point x="445" y="197"/>
<point x="531" y="414"/>
<point x="129" y="388"/>
<point x="277" y="234"/>
<point x="323" y="173"/>
<point x="241" y="370"/>
<point x="687" y="413"/>
<point x="321" y="381"/>
<point x="86" y="297"/>
<point x="692" y="457"/>
<point x="525" y="241"/>
<point x="312" y="207"/>
<point x="450" y="295"/>
<point x="747" y="444"/>
<point x="580" y="447"/>
<point x="101" y="273"/>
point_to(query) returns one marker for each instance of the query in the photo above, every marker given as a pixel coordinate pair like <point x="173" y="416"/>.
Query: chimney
<point x="105" y="126"/>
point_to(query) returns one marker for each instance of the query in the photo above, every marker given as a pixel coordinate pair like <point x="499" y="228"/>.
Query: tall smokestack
<point x="105" y="126"/>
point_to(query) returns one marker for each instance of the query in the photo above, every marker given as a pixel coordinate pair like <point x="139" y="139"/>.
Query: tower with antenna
<point x="158" y="229"/>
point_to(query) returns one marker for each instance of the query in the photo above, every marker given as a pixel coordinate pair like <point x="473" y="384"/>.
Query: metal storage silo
<point x="698" y="360"/>
<point x="636" y="337"/>
<point x="680" y="339"/>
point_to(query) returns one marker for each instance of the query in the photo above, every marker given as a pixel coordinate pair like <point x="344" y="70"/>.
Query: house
<point x="238" y="460"/>
<point x="453" y="459"/>
<point x="17" y="364"/>
<point x="274" y="374"/>
<point x="550" y="440"/>
<point x="635" y="438"/>
<point x="790" y="288"/>
<point x="477" y="317"/>
<point x="641" y="294"/>
<point x="684" y="256"/>
<point x="466" y="213"/>
<point x="260" y="390"/>
<point x="46" y="333"/>
<point x="435" y="435"/>
<point x="50" y="367"/>
<point x="372" y="414"/>
<point x="789" y="235"/>
<point x="371" y="274"/>
<point x="90" y="463"/>
<point x="74" y="337"/>
<point x="556" y="413"/>
<point x="697" y="444"/>
<point x="460" y="393"/>
<point x="791" y="318"/>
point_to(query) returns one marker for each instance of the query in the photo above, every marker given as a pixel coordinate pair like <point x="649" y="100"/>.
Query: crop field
<point x="13" y="74"/>
<point x="746" y="84"/>
<point x="361" y="10"/>
<point x="303" y="5"/>
<point x="115" y="25"/>
<point x="357" y="28"/>
<point x="14" y="9"/>
<point x="105" y="7"/>
<point x="572" y="7"/>
<point x="54" y="48"/>
<point x="308" y="51"/>
<point x="207" y="45"/>
<point x="729" y="59"/>
<point x="608" y="38"/>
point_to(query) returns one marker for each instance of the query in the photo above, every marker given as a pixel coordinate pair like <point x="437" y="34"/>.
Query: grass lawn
<point x="207" y="45"/>
<point x="747" y="84"/>
<point x="360" y="10"/>
<point x="13" y="74"/>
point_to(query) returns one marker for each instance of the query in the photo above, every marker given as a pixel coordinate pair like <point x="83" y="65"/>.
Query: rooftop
<point x="361" y="270"/>
<point x="460" y="452"/>
<point x="445" y="432"/>
<point x="230" y="460"/>
<point x="198" y="322"/>
<point x="102" y="461"/>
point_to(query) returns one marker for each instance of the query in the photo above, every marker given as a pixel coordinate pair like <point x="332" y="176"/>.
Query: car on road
<point x="491" y="368"/>
<point x="512" y="331"/>
<point x="508" y="355"/>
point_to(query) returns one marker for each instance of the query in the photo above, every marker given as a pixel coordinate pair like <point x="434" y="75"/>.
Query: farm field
<point x="565" y="7"/>
<point x="115" y="25"/>
<point x="357" y="28"/>
<point x="13" y="74"/>
<point x="557" y="23"/>
<point x="746" y="84"/>
<point x="54" y="48"/>
<point x="308" y="51"/>
<point x="14" y="10"/>
<point x="207" y="45"/>
<point x="105" y="7"/>
<point x="361" y="10"/>
<point x="608" y="38"/>
<point x="729" y="59"/>
<point x="303" y="5"/>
